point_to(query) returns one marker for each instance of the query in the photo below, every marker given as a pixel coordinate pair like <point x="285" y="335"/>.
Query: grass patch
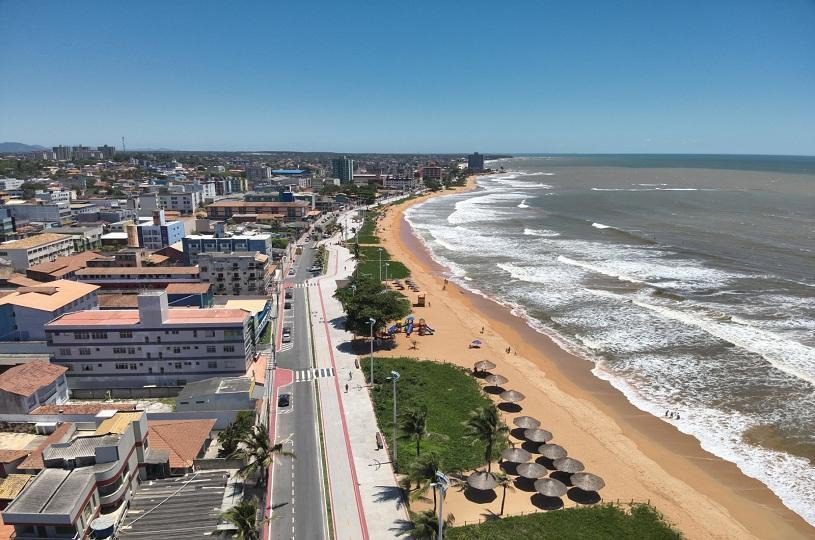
<point x="369" y="257"/>
<point x="449" y="394"/>
<point x="367" y="233"/>
<point x="266" y="337"/>
<point x="604" y="521"/>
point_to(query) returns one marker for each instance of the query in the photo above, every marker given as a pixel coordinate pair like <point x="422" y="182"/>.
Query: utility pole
<point x="442" y="482"/>
<point x="394" y="378"/>
<point x="372" y="322"/>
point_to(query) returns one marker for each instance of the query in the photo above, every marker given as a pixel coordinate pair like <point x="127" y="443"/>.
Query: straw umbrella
<point x="552" y="451"/>
<point x="496" y="380"/>
<point x="483" y="365"/>
<point x="549" y="487"/>
<point x="569" y="465"/>
<point x="516" y="455"/>
<point x="538" y="435"/>
<point x="512" y="396"/>
<point x="532" y="471"/>
<point x="587" y="481"/>
<point x="482" y="481"/>
<point x="526" y="422"/>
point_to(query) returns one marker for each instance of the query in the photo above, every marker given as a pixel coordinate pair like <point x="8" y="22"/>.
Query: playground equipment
<point x="410" y="325"/>
<point x="420" y="301"/>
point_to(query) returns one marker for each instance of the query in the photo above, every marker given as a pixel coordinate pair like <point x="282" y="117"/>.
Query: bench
<point x="380" y="443"/>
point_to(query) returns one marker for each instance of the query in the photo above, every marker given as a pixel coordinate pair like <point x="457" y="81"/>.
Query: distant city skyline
<point x="423" y="77"/>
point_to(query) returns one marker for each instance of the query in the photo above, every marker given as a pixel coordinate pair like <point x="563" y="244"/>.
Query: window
<point x="178" y="365"/>
<point x="210" y="348"/>
<point x="176" y="350"/>
<point x="131" y="350"/>
<point x="212" y="365"/>
<point x="121" y="365"/>
<point x="99" y="335"/>
<point x="209" y="333"/>
<point x="126" y="334"/>
<point x="230" y="363"/>
<point x="87" y="367"/>
<point x="119" y="350"/>
<point x="229" y="348"/>
<point x="133" y="366"/>
<point x="64" y="351"/>
<point x="233" y="333"/>
<point x="82" y="335"/>
<point x="84" y="351"/>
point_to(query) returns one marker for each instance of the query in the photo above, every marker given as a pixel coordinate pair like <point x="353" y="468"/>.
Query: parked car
<point x="283" y="400"/>
<point x="286" y="331"/>
<point x="292" y="271"/>
<point x="287" y="305"/>
<point x="288" y="295"/>
<point x="286" y="338"/>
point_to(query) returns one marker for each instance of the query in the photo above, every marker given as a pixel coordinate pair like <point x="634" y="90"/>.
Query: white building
<point x="236" y="273"/>
<point x="36" y="249"/>
<point x="25" y="312"/>
<point x="151" y="345"/>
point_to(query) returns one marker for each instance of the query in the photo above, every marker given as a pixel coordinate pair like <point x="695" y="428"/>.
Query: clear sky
<point x="708" y="76"/>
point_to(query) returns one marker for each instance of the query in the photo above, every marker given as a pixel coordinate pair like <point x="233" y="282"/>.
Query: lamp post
<point x="386" y="270"/>
<point x="394" y="379"/>
<point x="372" y="321"/>
<point x="442" y="482"/>
<point x="380" y="264"/>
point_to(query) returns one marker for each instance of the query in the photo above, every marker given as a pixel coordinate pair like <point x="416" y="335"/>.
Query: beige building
<point x="36" y="249"/>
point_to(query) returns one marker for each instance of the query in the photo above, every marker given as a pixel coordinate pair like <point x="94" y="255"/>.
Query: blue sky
<point x="418" y="76"/>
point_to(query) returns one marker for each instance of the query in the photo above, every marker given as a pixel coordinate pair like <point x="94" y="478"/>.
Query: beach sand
<point x="640" y="457"/>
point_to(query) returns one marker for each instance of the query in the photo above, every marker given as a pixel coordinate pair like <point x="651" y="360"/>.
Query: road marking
<point x="307" y="375"/>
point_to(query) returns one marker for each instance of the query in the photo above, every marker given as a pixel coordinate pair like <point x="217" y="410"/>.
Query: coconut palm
<point x="424" y="525"/>
<point x="422" y="474"/>
<point x="244" y="516"/>
<point x="504" y="482"/>
<point x="485" y="425"/>
<point x="414" y="425"/>
<point x="258" y="453"/>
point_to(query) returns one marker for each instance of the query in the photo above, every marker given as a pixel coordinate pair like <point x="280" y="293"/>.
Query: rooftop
<point x="118" y="301"/>
<point x="141" y="270"/>
<point x="216" y="385"/>
<point x="128" y="317"/>
<point x="34" y="241"/>
<point x="182" y="438"/>
<point x="65" y="264"/>
<point x="260" y="204"/>
<point x="34" y="459"/>
<point x="83" y="408"/>
<point x="119" y="422"/>
<point x="258" y="236"/>
<point x="26" y="379"/>
<point x="188" y="288"/>
<point x="53" y="491"/>
<point x="79" y="447"/>
<point x="12" y="485"/>
<point x="48" y="296"/>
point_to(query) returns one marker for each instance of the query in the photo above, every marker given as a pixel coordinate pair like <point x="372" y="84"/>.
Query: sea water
<point x="689" y="282"/>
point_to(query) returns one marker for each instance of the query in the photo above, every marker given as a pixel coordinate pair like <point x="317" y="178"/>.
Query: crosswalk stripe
<point x="306" y="375"/>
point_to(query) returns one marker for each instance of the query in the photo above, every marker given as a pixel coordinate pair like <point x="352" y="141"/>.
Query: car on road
<point x="315" y="268"/>
<point x="286" y="338"/>
<point x="283" y="400"/>
<point x="292" y="271"/>
<point x="286" y="331"/>
<point x="288" y="295"/>
<point x="287" y="305"/>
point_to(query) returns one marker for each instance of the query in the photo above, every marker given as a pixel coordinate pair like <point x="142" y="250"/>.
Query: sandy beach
<point x="640" y="457"/>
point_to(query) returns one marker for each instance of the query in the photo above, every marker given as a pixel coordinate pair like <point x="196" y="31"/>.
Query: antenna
<point x="124" y="148"/>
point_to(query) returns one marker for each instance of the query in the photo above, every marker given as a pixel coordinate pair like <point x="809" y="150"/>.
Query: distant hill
<point x="16" y="147"/>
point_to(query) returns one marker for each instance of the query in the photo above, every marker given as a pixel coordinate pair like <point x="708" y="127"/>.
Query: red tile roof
<point x="34" y="459"/>
<point x="26" y="379"/>
<point x="7" y="456"/>
<point x="182" y="438"/>
<point x="83" y="408"/>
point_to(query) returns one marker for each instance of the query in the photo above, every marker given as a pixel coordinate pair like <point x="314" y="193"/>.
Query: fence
<point x="127" y="393"/>
<point x="617" y="502"/>
<point x="211" y="464"/>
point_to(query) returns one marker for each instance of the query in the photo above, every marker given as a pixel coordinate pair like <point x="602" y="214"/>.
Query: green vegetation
<point x="363" y="194"/>
<point x="235" y="433"/>
<point x="258" y="452"/>
<point x="244" y="516"/>
<point x="485" y="425"/>
<point x="369" y="263"/>
<point x="449" y="394"/>
<point x="280" y="243"/>
<point x="367" y="233"/>
<point x="365" y="298"/>
<point x="424" y="525"/>
<point x="604" y="521"/>
<point x="29" y="188"/>
<point x="266" y="337"/>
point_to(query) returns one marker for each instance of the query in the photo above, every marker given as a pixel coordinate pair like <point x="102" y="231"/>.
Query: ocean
<point x="689" y="282"/>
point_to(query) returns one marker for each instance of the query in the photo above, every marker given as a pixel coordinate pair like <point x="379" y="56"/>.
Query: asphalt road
<point x="298" y="499"/>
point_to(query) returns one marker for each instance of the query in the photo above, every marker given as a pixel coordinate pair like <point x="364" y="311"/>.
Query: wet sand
<point x="640" y="457"/>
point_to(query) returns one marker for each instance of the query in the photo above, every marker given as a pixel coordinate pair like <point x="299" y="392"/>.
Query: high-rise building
<point x="107" y="151"/>
<point x="343" y="169"/>
<point x="63" y="153"/>
<point x="475" y="162"/>
<point x="256" y="173"/>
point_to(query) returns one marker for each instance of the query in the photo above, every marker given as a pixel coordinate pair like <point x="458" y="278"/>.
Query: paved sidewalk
<point x="361" y="477"/>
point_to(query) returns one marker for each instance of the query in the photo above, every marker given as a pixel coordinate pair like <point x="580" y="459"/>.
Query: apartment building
<point x="84" y="237"/>
<point x="237" y="273"/>
<point x="128" y="278"/>
<point x="151" y="345"/>
<point x="39" y="212"/>
<point x="196" y="244"/>
<point x="25" y="311"/>
<point x="36" y="249"/>
<point x="288" y="211"/>
<point x="159" y="232"/>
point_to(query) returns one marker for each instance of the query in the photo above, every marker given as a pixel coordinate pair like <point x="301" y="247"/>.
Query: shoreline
<point x="640" y="456"/>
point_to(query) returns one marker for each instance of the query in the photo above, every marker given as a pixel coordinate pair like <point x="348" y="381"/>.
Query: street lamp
<point x="442" y="482"/>
<point x="380" y="264"/>
<point x="372" y="321"/>
<point x="394" y="378"/>
<point x="386" y="270"/>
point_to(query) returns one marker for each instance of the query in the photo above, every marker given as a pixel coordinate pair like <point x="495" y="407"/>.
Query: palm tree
<point x="258" y="452"/>
<point x="486" y="426"/>
<point x="422" y="473"/>
<point x="244" y="516"/>
<point x="424" y="525"/>
<point x="414" y="425"/>
<point x="505" y="482"/>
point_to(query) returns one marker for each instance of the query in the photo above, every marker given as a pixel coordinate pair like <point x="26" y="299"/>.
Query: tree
<point x="258" y="453"/>
<point x="356" y="250"/>
<point x="485" y="425"/>
<point x="414" y="425"/>
<point x="28" y="188"/>
<point x="424" y="525"/>
<point x="234" y="433"/>
<point x="422" y="474"/>
<point x="504" y="482"/>
<point x="244" y="516"/>
<point x="365" y="298"/>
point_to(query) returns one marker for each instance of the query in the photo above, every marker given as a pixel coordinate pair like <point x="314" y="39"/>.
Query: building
<point x="432" y="172"/>
<point x="159" y="233"/>
<point x="36" y="249"/>
<point x="258" y="173"/>
<point x="107" y="151"/>
<point x="182" y="440"/>
<point x="287" y="211"/>
<point x="475" y="162"/>
<point x="128" y="278"/>
<point x="237" y="273"/>
<point x="183" y="202"/>
<point x="87" y="469"/>
<point x="400" y="184"/>
<point x="39" y="212"/>
<point x="8" y="227"/>
<point x="25" y="387"/>
<point x="196" y="244"/>
<point x="25" y="311"/>
<point x="11" y="184"/>
<point x="85" y="237"/>
<point x="218" y="394"/>
<point x="343" y="169"/>
<point x="151" y="345"/>
<point x="63" y="153"/>
<point x="189" y="295"/>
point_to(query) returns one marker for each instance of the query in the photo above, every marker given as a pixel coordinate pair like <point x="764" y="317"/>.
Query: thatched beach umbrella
<point x="482" y="480"/>
<point x="483" y="365"/>
<point x="549" y="487"/>
<point x="512" y="396"/>
<point x="587" y="481"/>
<point x="569" y="465"/>
<point x="516" y="455"/>
<point x="532" y="470"/>
<point x="552" y="451"/>
<point x="496" y="380"/>
<point x="526" y="422"/>
<point x="538" y="435"/>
